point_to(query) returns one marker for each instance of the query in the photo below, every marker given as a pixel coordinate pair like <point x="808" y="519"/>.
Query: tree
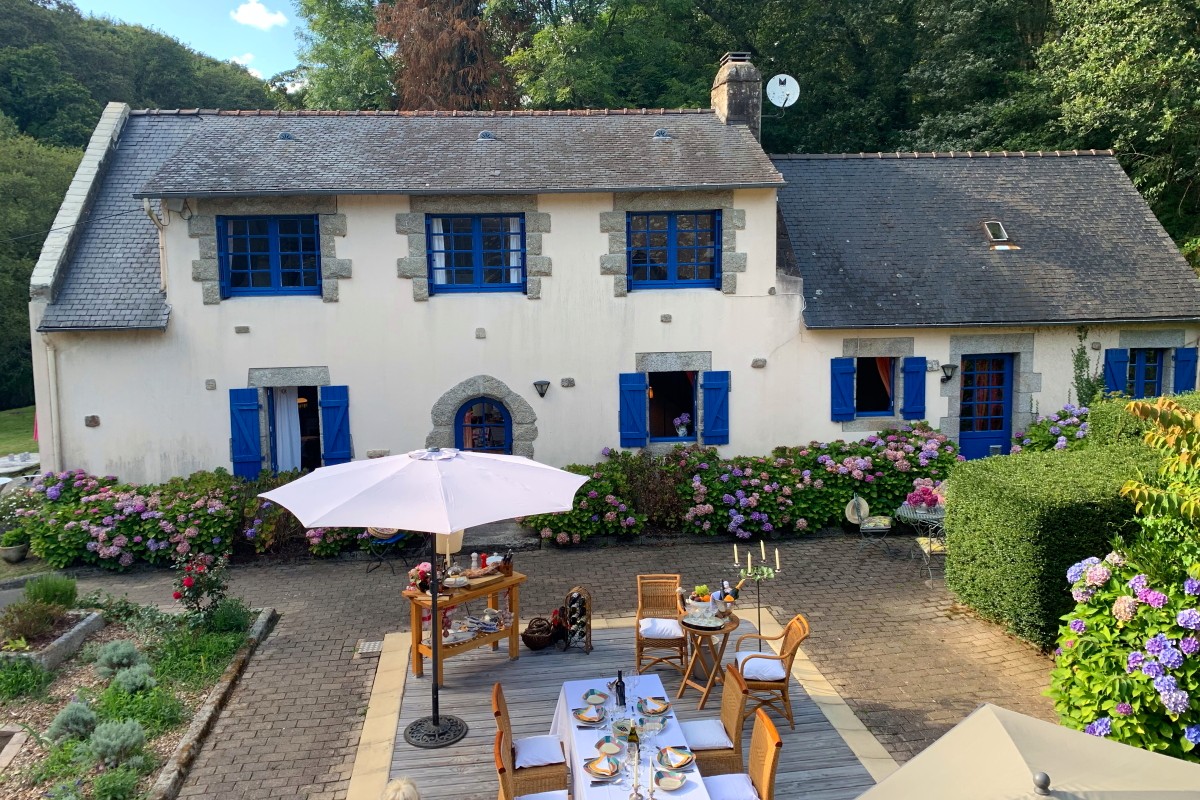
<point x="33" y="179"/>
<point x="345" y="63"/>
<point x="1126" y="74"/>
<point x="446" y="55"/>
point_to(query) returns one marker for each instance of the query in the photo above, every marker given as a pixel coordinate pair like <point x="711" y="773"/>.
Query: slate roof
<point x="241" y="153"/>
<point x="112" y="279"/>
<point x="891" y="240"/>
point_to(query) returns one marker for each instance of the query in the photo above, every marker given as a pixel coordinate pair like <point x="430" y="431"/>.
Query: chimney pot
<point x="737" y="93"/>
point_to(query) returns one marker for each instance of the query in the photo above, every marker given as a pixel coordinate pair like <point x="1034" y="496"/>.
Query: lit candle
<point x="735" y="557"/>
<point x="777" y="558"/>
<point x="749" y="559"/>
<point x="762" y="547"/>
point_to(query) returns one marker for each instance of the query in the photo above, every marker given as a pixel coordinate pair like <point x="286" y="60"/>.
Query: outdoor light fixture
<point x="948" y="372"/>
<point x="541" y="387"/>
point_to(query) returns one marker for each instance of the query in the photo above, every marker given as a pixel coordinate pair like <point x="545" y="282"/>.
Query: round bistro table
<point x="707" y="647"/>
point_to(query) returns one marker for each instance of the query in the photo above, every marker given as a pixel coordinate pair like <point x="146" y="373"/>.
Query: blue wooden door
<point x="985" y="418"/>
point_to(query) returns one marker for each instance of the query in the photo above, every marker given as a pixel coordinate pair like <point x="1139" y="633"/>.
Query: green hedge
<point x="1015" y="525"/>
<point x="1109" y="422"/>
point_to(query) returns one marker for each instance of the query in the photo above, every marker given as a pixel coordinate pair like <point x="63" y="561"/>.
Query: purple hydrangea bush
<point x="1059" y="430"/>
<point x="1127" y="665"/>
<point x="601" y="507"/>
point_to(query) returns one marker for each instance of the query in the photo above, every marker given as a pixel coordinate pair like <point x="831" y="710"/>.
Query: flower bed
<point x="71" y="517"/>
<point x="794" y="490"/>
<point x="1066" y="429"/>
<point x="107" y="720"/>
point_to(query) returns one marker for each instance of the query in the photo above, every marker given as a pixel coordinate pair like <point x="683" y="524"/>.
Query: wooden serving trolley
<point x="491" y="587"/>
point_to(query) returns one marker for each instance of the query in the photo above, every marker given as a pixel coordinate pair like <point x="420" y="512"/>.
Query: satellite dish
<point x="783" y="90"/>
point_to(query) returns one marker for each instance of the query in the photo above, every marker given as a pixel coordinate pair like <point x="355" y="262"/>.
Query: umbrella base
<point x="423" y="733"/>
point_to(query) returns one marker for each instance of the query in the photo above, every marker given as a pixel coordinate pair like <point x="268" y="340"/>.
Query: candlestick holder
<point x="758" y="573"/>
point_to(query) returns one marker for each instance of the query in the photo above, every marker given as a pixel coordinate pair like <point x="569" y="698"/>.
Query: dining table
<point x="580" y="742"/>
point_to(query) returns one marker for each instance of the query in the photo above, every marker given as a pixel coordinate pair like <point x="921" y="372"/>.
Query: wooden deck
<point x="816" y="764"/>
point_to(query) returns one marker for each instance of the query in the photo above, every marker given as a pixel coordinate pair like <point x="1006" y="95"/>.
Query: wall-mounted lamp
<point x="541" y="387"/>
<point x="948" y="372"/>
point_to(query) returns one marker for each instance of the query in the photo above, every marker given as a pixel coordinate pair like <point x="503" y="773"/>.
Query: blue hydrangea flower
<point x="1156" y="644"/>
<point x="1075" y="572"/>
<point x="1191" y="586"/>
<point x="1176" y="701"/>
<point x="1166" y="683"/>
<point x="1171" y="658"/>
<point x="1101" y="727"/>
<point x="1078" y="625"/>
<point x="1138" y="582"/>
<point x="1153" y="669"/>
<point x="1134" y="661"/>
<point x="1188" y="618"/>
<point x="1192" y="733"/>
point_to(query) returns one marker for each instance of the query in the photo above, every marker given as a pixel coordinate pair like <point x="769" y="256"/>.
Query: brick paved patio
<point x="902" y="655"/>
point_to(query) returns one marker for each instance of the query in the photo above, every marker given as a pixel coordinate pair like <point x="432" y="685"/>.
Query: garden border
<point x="174" y="772"/>
<point x="65" y="646"/>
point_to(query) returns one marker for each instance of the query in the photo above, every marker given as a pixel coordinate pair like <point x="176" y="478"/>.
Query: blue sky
<point x="258" y="33"/>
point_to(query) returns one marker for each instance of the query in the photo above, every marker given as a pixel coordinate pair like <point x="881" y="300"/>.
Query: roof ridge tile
<point x="902" y="154"/>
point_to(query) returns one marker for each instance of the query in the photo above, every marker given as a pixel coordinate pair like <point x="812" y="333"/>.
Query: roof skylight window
<point x="998" y="237"/>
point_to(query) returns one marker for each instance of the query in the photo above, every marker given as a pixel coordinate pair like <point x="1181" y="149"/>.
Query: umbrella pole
<point x="434" y="731"/>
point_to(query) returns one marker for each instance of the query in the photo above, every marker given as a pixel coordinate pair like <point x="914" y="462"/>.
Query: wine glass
<point x="631" y="693"/>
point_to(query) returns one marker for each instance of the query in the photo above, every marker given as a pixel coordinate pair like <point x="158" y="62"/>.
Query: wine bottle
<point x="619" y="688"/>
<point x="634" y="739"/>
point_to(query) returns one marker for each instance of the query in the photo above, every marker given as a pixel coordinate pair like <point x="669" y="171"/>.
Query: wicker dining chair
<point x="721" y="760"/>
<point x="658" y="612"/>
<point x="532" y="779"/>
<point x="504" y="773"/>
<point x="767" y="675"/>
<point x="765" y="745"/>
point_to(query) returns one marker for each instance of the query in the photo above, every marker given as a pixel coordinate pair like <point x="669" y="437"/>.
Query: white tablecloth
<point x="580" y="743"/>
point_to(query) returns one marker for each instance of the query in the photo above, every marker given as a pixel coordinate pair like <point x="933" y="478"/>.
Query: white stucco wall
<point x="398" y="355"/>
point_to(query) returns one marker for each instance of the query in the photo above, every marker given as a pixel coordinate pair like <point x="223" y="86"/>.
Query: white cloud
<point x="256" y="15"/>
<point x="244" y="60"/>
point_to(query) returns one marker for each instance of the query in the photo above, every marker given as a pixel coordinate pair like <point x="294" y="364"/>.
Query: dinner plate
<point x="592" y="715"/>
<point x="669" y="780"/>
<point x="658" y="709"/>
<point x="610" y="746"/>
<point x="621" y="727"/>
<point x="674" y="758"/>
<point x="602" y="767"/>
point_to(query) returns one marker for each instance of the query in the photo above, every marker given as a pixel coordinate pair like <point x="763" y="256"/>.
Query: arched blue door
<point x="483" y="425"/>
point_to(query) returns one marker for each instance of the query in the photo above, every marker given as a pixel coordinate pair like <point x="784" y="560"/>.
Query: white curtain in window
<point x="514" y="250"/>
<point x="437" y="246"/>
<point x="287" y="429"/>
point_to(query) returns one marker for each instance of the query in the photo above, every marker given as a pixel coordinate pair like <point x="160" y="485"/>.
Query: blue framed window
<point x="269" y="255"/>
<point x="673" y="249"/>
<point x="1145" y="373"/>
<point x="476" y="252"/>
<point x="483" y="425"/>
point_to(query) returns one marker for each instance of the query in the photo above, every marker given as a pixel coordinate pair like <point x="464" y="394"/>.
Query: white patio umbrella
<point x="438" y="491"/>
<point x="997" y="754"/>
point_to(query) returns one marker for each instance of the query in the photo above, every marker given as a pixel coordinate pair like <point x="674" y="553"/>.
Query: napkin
<point x="653" y="705"/>
<point x="603" y="765"/>
<point x="590" y="714"/>
<point x="676" y="757"/>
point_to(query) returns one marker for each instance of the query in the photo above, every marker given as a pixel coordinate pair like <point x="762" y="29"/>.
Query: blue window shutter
<point x="335" y="425"/>
<point x="245" y="444"/>
<point x="914" y="387"/>
<point x="715" y="386"/>
<point x="222" y="260"/>
<point x="841" y="383"/>
<point x="633" y="409"/>
<point x="1185" y="369"/>
<point x="1116" y="369"/>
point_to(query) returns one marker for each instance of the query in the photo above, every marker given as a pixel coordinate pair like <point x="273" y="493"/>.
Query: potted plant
<point x="14" y="545"/>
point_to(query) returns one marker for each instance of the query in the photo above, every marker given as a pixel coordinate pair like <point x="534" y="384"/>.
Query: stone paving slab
<point x="908" y="661"/>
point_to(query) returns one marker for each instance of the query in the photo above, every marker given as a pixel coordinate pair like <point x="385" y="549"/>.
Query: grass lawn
<point x="27" y="567"/>
<point x="16" y="431"/>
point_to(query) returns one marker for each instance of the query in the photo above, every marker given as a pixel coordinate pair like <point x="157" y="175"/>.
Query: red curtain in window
<point x="884" y="365"/>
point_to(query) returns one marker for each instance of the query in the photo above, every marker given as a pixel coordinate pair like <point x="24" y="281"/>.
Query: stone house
<point x="275" y="290"/>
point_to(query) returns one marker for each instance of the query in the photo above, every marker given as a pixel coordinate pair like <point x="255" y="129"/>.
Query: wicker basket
<point x="538" y="634"/>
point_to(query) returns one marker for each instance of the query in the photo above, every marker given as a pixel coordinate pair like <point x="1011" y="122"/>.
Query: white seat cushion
<point x="736" y="786"/>
<point x="561" y="794"/>
<point x="760" y="669"/>
<point x="658" y="628"/>
<point x="537" y="751"/>
<point x="705" y="734"/>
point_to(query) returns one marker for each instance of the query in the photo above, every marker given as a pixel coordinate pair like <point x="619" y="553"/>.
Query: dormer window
<point x="998" y="237"/>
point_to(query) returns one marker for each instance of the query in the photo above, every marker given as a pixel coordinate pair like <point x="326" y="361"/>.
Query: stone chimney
<point x="737" y="93"/>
